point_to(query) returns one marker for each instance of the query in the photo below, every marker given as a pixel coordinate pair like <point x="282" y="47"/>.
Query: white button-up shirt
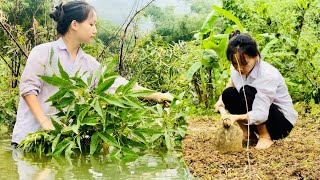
<point x="38" y="63"/>
<point x="271" y="88"/>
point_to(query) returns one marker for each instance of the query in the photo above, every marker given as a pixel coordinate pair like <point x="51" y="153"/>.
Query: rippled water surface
<point x="15" y="165"/>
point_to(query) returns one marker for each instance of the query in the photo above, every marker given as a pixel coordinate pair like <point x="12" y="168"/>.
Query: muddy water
<point x="15" y="165"/>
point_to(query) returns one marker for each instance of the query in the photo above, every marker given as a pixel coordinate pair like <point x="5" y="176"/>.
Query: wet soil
<point x="295" y="157"/>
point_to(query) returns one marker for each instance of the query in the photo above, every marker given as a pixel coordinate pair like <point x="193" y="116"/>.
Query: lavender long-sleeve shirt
<point x="271" y="88"/>
<point x="38" y="63"/>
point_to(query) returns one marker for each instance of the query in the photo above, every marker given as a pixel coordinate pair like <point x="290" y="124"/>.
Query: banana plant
<point x="212" y="67"/>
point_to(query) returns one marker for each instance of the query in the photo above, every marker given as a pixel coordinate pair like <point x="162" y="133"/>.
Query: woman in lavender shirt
<point x="266" y="106"/>
<point x="76" y="23"/>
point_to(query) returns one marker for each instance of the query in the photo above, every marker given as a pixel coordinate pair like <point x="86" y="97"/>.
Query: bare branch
<point x="121" y="68"/>
<point x="13" y="39"/>
<point x="117" y="32"/>
<point x="6" y="62"/>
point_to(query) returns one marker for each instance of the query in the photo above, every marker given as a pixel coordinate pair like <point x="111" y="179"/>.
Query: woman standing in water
<point x="76" y="24"/>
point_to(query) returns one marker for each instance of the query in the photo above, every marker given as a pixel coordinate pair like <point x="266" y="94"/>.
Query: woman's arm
<point x="158" y="96"/>
<point x="31" y="84"/>
<point x="219" y="106"/>
<point x="236" y="117"/>
<point x="219" y="103"/>
<point x="35" y="108"/>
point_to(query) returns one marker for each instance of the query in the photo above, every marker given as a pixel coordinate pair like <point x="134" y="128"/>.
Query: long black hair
<point x="242" y="44"/>
<point x="64" y="14"/>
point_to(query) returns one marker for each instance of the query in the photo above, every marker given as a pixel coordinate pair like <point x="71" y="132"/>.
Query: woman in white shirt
<point x="267" y="106"/>
<point x="76" y="24"/>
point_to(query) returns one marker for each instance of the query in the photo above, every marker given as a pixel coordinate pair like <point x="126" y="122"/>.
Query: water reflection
<point x="31" y="166"/>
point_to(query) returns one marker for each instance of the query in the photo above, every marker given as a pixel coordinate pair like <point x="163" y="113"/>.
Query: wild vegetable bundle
<point x="94" y="119"/>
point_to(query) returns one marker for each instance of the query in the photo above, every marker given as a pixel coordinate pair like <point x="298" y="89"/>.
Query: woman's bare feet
<point x="265" y="140"/>
<point x="264" y="143"/>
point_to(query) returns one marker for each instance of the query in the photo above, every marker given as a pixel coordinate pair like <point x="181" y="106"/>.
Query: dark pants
<point x="277" y="125"/>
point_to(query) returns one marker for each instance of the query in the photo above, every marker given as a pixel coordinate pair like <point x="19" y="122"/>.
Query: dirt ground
<point x="295" y="157"/>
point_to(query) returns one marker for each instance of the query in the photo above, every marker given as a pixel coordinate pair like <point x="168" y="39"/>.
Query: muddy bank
<point x="296" y="157"/>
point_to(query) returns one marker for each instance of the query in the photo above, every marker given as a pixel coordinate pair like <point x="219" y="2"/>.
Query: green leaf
<point x="77" y="73"/>
<point x="110" y="99"/>
<point x="139" y="136"/>
<point x="181" y="131"/>
<point x="67" y="130"/>
<point x="94" y="143"/>
<point x="209" y="44"/>
<point x="129" y="152"/>
<point x="79" y="142"/>
<point x="208" y="23"/>
<point x="91" y="121"/>
<point x="112" y="111"/>
<point x="56" y="125"/>
<point x="63" y="73"/>
<point x="159" y="110"/>
<point x="58" y="95"/>
<point x="56" y="81"/>
<point x="168" y="140"/>
<point x="105" y="85"/>
<point x="110" y="67"/>
<point x="109" y="139"/>
<point x="180" y="96"/>
<point x="129" y="85"/>
<point x="179" y="115"/>
<point x="75" y="128"/>
<point x="131" y="101"/>
<point x="64" y="102"/>
<point x="149" y="131"/>
<point x="229" y="15"/>
<point x="89" y="80"/>
<point x="193" y="69"/>
<point x="141" y="93"/>
<point x="79" y="82"/>
<point x="55" y="142"/>
<point x="82" y="114"/>
<point x="98" y="109"/>
<point x="268" y="46"/>
<point x="155" y="137"/>
<point x="209" y="57"/>
<point x="115" y="154"/>
<point x="135" y="144"/>
<point x="68" y="150"/>
<point x="61" y="146"/>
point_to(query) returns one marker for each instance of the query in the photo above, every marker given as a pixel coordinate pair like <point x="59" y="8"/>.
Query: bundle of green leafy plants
<point x="94" y="121"/>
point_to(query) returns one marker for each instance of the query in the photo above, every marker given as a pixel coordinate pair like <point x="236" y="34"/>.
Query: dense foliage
<point x="93" y="119"/>
<point x="290" y="31"/>
<point x="23" y="25"/>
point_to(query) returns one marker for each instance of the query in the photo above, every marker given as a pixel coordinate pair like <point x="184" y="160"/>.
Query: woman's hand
<point x="157" y="96"/>
<point x="218" y="104"/>
<point x="229" y="118"/>
<point x="35" y="108"/>
<point x="233" y="118"/>
<point x="47" y="125"/>
<point x="165" y="97"/>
